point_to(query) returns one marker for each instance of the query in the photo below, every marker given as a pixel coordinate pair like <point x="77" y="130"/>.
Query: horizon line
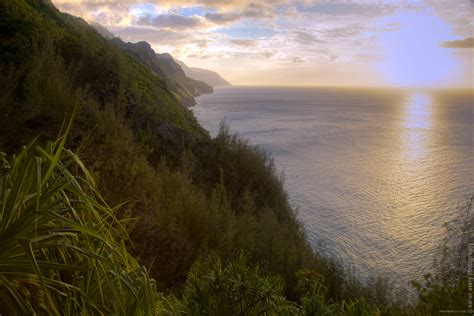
<point x="388" y="87"/>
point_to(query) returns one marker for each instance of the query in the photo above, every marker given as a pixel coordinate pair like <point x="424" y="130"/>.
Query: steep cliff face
<point x="172" y="69"/>
<point x="182" y="80"/>
<point x="212" y="78"/>
<point x="163" y="65"/>
<point x="45" y="53"/>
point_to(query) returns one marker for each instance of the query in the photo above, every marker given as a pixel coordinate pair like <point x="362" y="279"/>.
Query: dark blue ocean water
<point x="374" y="174"/>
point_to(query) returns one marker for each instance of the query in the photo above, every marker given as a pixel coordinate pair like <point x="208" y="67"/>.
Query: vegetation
<point x="62" y="248"/>
<point x="448" y="288"/>
<point x="183" y="88"/>
<point x="208" y="219"/>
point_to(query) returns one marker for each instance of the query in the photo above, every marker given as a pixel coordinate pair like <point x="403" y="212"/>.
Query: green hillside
<point x="192" y="195"/>
<point x="33" y="30"/>
<point x="143" y="213"/>
<point x="184" y="88"/>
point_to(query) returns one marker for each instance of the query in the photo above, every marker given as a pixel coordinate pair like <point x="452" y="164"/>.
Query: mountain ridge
<point x="184" y="81"/>
<point x="163" y="65"/>
<point x="210" y="77"/>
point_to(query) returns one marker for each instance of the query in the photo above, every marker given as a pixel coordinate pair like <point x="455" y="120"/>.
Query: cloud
<point x="221" y="18"/>
<point x="116" y="12"/>
<point x="197" y="56"/>
<point x="171" y="21"/>
<point x="458" y="13"/>
<point x="268" y="54"/>
<point x="152" y="35"/>
<point x="252" y="11"/>
<point x="345" y="8"/>
<point x="464" y="43"/>
<point x="298" y="60"/>
<point x="306" y="38"/>
<point x="333" y="58"/>
<point x="202" y="43"/>
<point x="235" y="36"/>
<point x="258" y="11"/>
<point x="342" y="32"/>
<point x="244" y="42"/>
<point x="105" y="13"/>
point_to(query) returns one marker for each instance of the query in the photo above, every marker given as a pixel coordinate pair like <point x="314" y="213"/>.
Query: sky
<point x="419" y="43"/>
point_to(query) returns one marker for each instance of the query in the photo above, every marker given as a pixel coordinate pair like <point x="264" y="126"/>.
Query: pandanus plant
<point x="61" y="247"/>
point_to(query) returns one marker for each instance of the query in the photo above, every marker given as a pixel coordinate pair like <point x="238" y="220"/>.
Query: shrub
<point x="62" y="248"/>
<point x="447" y="288"/>
<point x="236" y="289"/>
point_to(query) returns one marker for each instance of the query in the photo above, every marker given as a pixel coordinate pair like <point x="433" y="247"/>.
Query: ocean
<point x="374" y="174"/>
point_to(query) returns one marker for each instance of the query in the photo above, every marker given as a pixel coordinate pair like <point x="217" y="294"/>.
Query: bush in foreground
<point x="62" y="249"/>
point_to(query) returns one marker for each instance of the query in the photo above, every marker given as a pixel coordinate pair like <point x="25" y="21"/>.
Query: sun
<point x="413" y="56"/>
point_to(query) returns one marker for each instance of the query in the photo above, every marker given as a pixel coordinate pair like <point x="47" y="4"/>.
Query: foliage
<point x="236" y="289"/>
<point x="315" y="301"/>
<point x="165" y="67"/>
<point x="62" y="248"/>
<point x="447" y="289"/>
<point x="96" y="67"/>
<point x="192" y="198"/>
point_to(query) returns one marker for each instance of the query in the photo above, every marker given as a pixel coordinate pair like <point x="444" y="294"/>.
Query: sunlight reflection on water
<point x="418" y="111"/>
<point x="374" y="174"/>
<point x="416" y="127"/>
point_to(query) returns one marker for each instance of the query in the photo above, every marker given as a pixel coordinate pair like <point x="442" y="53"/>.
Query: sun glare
<point x="413" y="54"/>
<point x="416" y="127"/>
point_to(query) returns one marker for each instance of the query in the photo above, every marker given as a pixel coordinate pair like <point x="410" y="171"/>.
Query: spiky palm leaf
<point x="61" y="248"/>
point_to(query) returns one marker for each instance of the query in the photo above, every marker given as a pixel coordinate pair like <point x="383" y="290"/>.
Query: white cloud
<point x="248" y="40"/>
